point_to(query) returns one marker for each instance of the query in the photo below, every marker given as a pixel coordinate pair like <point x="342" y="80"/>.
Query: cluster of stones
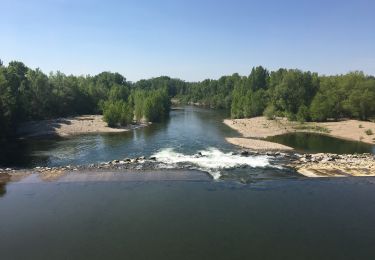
<point x="121" y="163"/>
<point x="347" y="159"/>
<point x="336" y="164"/>
<point x="253" y="152"/>
<point x="7" y="170"/>
<point x="127" y="163"/>
<point x="52" y="169"/>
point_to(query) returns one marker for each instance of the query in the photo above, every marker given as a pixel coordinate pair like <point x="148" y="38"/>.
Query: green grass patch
<point x="315" y="128"/>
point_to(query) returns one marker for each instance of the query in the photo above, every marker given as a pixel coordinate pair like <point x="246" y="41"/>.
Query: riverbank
<point x="85" y="124"/>
<point x="261" y="127"/>
<point x="258" y="145"/>
<point x="334" y="165"/>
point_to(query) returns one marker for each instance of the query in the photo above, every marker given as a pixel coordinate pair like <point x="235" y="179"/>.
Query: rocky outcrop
<point x="334" y="165"/>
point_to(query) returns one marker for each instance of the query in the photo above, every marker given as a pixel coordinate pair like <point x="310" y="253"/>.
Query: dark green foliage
<point x="270" y="112"/>
<point x="210" y="93"/>
<point x="303" y="114"/>
<point x="117" y="113"/>
<point x="152" y="105"/>
<point x="7" y="104"/>
<point x="27" y="94"/>
<point x="304" y="96"/>
<point x="259" y="78"/>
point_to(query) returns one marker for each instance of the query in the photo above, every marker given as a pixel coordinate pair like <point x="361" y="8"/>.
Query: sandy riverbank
<point x="258" y="145"/>
<point x="86" y="124"/>
<point x="261" y="127"/>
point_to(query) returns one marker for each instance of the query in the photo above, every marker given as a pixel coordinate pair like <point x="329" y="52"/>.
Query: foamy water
<point x="212" y="160"/>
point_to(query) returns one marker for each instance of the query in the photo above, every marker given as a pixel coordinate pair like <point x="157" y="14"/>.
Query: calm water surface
<point x="318" y="143"/>
<point x="256" y="210"/>
<point x="201" y="219"/>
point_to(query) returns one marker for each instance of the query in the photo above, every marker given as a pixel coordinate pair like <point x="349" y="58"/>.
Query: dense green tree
<point x="28" y="94"/>
<point x="7" y="104"/>
<point x="117" y="113"/>
<point x="258" y="78"/>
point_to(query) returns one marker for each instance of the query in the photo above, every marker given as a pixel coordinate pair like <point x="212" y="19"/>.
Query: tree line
<point x="29" y="94"/>
<point x="295" y="94"/>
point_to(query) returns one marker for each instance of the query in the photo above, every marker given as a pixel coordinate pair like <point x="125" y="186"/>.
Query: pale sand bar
<point x="86" y="124"/>
<point x="255" y="144"/>
<point x="261" y="127"/>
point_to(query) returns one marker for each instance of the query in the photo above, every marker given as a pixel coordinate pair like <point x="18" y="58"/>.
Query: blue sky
<point x="191" y="40"/>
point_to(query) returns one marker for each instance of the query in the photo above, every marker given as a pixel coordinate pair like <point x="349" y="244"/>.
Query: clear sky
<point x="191" y="39"/>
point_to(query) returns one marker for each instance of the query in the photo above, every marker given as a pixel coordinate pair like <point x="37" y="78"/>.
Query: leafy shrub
<point x="270" y="112"/>
<point x="303" y="114"/>
<point x="369" y="132"/>
<point x="117" y="113"/>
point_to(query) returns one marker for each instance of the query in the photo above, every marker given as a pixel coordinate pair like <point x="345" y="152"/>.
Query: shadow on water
<point x="3" y="189"/>
<point x="187" y="130"/>
<point x="318" y="143"/>
<point x="3" y="183"/>
<point x="289" y="219"/>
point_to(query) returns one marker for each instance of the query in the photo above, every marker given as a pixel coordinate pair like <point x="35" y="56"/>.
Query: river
<point x="245" y="207"/>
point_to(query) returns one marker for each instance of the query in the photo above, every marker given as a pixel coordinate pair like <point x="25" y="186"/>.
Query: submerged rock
<point x="244" y="153"/>
<point x="198" y="155"/>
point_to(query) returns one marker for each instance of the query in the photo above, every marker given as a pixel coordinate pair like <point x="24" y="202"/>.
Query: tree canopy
<point x="29" y="94"/>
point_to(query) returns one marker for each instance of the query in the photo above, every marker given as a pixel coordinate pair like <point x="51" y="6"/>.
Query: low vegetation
<point x="313" y="128"/>
<point x="369" y="132"/>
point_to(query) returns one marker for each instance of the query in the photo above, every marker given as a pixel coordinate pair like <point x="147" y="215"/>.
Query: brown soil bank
<point x="261" y="127"/>
<point x="69" y="126"/>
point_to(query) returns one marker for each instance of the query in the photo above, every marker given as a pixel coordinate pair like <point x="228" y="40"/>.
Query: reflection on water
<point x="289" y="219"/>
<point x="3" y="189"/>
<point x="317" y="143"/>
<point x="186" y="130"/>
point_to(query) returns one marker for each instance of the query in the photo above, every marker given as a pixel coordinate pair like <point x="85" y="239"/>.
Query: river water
<point x="175" y="143"/>
<point x="188" y="219"/>
<point x="187" y="131"/>
<point x="244" y="208"/>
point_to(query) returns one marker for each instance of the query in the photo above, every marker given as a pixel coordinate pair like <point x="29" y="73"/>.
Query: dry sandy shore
<point x="69" y="126"/>
<point x="260" y="127"/>
<point x="259" y="145"/>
